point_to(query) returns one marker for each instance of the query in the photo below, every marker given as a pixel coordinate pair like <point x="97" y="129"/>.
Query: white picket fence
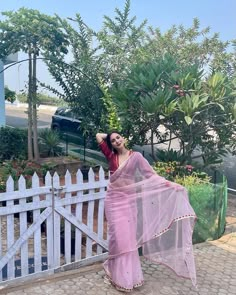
<point x="72" y="215"/>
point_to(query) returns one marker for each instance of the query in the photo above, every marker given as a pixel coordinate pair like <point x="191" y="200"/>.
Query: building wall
<point x="2" y="98"/>
<point x="9" y="59"/>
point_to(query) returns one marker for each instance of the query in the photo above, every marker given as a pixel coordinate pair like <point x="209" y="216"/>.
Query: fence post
<point x="56" y="221"/>
<point x="10" y="230"/>
<point x="49" y="224"/>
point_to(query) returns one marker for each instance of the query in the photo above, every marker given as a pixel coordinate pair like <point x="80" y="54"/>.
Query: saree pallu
<point x="145" y="210"/>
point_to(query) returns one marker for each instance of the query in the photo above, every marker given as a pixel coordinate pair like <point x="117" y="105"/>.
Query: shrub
<point x="49" y="142"/>
<point x="13" y="143"/>
<point x="169" y="156"/>
<point x="9" y="94"/>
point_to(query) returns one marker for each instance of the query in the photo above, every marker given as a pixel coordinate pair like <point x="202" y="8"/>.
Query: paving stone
<point x="232" y="282"/>
<point x="18" y="293"/>
<point x="223" y="291"/>
<point x="83" y="279"/>
<point x="78" y="292"/>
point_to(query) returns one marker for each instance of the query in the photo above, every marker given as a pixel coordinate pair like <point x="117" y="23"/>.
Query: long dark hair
<point x="108" y="140"/>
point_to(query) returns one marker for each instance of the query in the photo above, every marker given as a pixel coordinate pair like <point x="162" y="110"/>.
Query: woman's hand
<point x="100" y="137"/>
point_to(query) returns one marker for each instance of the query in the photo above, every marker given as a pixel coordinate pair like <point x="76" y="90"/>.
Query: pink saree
<point x="145" y="210"/>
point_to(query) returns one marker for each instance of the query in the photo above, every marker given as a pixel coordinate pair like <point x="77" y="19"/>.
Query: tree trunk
<point x="35" y="118"/>
<point x="170" y="141"/>
<point x="184" y="151"/>
<point x="30" y="148"/>
<point x="152" y="145"/>
<point x="189" y="147"/>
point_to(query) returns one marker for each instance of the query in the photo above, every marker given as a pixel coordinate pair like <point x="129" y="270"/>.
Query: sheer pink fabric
<point x="144" y="209"/>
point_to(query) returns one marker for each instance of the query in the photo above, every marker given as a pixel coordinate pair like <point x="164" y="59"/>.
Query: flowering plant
<point x="182" y="174"/>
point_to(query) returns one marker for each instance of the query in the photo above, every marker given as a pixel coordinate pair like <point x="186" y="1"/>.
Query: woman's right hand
<point x="100" y="137"/>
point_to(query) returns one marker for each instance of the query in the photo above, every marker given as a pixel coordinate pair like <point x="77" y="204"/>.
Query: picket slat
<point x="90" y="214"/>
<point x="67" y="233"/>
<point x="79" y="216"/>
<point x="23" y="229"/>
<point x="37" y="233"/>
<point x="49" y="225"/>
<point x="10" y="229"/>
<point x="56" y="223"/>
<point x="89" y="241"/>
<point x="101" y="211"/>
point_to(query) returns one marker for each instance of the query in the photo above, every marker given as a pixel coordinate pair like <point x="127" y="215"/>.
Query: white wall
<point x="2" y="97"/>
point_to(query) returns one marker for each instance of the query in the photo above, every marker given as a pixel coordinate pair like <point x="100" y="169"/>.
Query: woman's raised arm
<point x="100" y="137"/>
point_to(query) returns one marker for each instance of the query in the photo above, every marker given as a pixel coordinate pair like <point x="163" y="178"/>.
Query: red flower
<point x="176" y="86"/>
<point x="189" y="167"/>
<point x="180" y="92"/>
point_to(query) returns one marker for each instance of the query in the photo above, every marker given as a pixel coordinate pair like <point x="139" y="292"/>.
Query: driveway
<point x="16" y="116"/>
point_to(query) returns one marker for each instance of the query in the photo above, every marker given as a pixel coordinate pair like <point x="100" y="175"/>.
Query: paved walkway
<point x="216" y="273"/>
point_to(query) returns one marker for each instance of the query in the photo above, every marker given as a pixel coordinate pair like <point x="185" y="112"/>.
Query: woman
<point x="143" y="210"/>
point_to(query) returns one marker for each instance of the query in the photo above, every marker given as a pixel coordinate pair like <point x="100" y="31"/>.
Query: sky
<point x="218" y="15"/>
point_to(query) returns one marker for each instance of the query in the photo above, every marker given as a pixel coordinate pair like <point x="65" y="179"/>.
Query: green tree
<point x="9" y="94"/>
<point x="119" y="40"/>
<point x="111" y="52"/>
<point x="34" y="33"/>
<point x="79" y="78"/>
<point x="200" y="113"/>
<point x="204" y="117"/>
<point x="143" y="97"/>
<point x="97" y="56"/>
<point x="190" y="46"/>
<point x="112" y="120"/>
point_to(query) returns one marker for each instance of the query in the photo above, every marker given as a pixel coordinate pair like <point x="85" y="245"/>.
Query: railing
<point x="232" y="191"/>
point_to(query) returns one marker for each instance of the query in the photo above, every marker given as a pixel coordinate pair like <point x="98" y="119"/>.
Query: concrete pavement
<point x="215" y="262"/>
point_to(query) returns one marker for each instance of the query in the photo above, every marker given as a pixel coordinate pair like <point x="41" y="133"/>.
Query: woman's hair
<point x="108" y="140"/>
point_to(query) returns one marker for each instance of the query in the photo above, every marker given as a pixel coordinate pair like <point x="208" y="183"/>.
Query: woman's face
<point x="117" y="141"/>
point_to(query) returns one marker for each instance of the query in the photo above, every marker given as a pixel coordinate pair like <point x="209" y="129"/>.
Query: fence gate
<point x="52" y="227"/>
